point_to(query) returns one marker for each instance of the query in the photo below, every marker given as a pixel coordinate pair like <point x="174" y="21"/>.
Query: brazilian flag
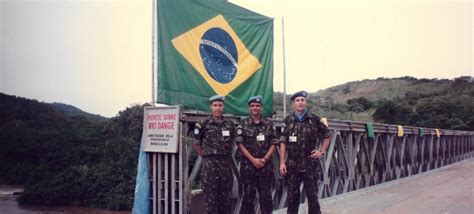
<point x="209" y="47"/>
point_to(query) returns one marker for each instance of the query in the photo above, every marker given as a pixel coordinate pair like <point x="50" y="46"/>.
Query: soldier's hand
<point x="198" y="149"/>
<point x="283" y="169"/>
<point x="257" y="163"/>
<point x="315" y="154"/>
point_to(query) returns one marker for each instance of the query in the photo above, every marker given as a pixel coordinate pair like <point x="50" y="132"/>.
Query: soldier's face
<point x="299" y="104"/>
<point x="255" y="108"/>
<point x="217" y="108"/>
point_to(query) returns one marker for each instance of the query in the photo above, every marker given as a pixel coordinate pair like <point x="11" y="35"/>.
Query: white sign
<point x="161" y="129"/>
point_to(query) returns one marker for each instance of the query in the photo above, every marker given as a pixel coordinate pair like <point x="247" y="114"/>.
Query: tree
<point x="393" y="112"/>
<point x="412" y="97"/>
<point x="359" y="104"/>
<point x="449" y="112"/>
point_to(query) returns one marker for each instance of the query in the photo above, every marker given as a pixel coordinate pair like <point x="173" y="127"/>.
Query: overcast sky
<point x="97" y="54"/>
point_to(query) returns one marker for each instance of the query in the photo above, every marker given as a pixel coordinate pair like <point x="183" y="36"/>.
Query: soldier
<point x="214" y="138"/>
<point x="256" y="139"/>
<point x="300" y="132"/>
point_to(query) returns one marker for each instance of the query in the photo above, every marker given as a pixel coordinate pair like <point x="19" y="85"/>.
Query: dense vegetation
<point x="64" y="156"/>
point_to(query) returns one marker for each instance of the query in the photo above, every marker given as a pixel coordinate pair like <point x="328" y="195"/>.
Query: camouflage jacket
<point x="215" y="137"/>
<point x="257" y="139"/>
<point x="300" y="138"/>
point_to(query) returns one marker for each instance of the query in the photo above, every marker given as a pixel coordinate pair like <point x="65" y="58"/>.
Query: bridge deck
<point x="448" y="189"/>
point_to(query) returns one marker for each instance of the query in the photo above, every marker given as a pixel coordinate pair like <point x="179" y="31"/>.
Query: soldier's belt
<point x="295" y="156"/>
<point x="217" y="156"/>
<point x="299" y="154"/>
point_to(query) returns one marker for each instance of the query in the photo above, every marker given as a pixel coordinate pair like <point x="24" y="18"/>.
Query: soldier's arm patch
<point x="239" y="130"/>
<point x="324" y="121"/>
<point x="197" y="129"/>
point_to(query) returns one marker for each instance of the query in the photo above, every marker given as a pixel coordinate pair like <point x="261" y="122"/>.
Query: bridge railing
<point x="358" y="157"/>
<point x="356" y="161"/>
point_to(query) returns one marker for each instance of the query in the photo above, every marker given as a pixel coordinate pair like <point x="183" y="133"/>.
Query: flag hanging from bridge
<point x="208" y="47"/>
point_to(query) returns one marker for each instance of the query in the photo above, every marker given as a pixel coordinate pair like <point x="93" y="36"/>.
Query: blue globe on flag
<point x="219" y="55"/>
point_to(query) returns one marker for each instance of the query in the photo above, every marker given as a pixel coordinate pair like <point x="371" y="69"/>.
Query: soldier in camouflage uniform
<point x="256" y="139"/>
<point x="214" y="138"/>
<point x="300" y="132"/>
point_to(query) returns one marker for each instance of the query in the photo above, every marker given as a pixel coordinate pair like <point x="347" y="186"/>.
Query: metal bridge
<point x="360" y="156"/>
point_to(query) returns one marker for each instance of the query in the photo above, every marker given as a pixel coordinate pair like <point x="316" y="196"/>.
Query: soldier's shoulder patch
<point x="239" y="129"/>
<point x="325" y="122"/>
<point x="198" y="126"/>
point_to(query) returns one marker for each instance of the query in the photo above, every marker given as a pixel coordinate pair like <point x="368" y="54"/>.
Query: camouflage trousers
<point x="252" y="184"/>
<point x="309" y="179"/>
<point x="217" y="181"/>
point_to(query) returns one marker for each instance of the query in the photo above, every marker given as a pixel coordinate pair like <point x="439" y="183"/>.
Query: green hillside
<point x="438" y="103"/>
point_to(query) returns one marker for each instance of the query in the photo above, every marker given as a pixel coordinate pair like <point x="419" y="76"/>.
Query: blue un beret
<point x="216" y="98"/>
<point x="255" y="99"/>
<point x="299" y="94"/>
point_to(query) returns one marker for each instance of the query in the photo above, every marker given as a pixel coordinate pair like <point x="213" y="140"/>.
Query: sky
<point x="97" y="54"/>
